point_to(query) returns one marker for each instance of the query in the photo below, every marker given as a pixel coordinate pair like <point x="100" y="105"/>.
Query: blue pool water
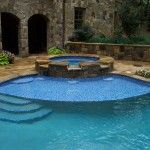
<point x="104" y="88"/>
<point x="122" y="125"/>
<point x="27" y="124"/>
<point x="74" y="60"/>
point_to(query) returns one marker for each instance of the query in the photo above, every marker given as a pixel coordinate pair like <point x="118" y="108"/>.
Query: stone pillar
<point x="0" y="34"/>
<point x="23" y="39"/>
<point x="58" y="23"/>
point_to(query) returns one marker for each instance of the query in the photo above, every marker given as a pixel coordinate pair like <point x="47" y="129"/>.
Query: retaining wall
<point x="118" y="51"/>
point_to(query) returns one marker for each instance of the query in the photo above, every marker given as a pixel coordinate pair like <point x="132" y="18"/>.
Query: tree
<point x="130" y="15"/>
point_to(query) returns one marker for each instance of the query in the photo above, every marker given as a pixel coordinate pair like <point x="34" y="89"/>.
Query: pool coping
<point x="11" y="77"/>
<point x="134" y="76"/>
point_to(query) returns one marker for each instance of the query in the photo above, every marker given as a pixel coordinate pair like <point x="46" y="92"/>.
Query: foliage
<point x="146" y="13"/>
<point x="83" y="34"/>
<point x="11" y="57"/>
<point x="129" y="13"/>
<point x="148" y="22"/>
<point x="143" y="73"/>
<point x="3" y="59"/>
<point x="118" y="32"/>
<point x="56" y="51"/>
<point x="138" y="39"/>
<point x="6" y="57"/>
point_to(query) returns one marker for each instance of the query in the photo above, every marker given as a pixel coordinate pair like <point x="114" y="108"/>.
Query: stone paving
<point x="26" y="66"/>
<point x="22" y="66"/>
<point x="129" y="68"/>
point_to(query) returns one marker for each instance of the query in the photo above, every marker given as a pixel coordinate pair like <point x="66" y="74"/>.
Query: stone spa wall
<point x="46" y="67"/>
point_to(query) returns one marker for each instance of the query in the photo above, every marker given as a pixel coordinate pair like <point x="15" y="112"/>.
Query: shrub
<point x="129" y="13"/>
<point x="83" y="34"/>
<point x="11" y="57"/>
<point x="148" y="21"/>
<point x="100" y="38"/>
<point x="118" y="32"/>
<point x="3" y="59"/>
<point x="143" y="73"/>
<point x="56" y="51"/>
<point x="138" y="39"/>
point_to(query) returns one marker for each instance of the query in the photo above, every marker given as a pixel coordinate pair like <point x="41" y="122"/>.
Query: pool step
<point x="14" y="100"/>
<point x="24" y="117"/>
<point x="19" y="108"/>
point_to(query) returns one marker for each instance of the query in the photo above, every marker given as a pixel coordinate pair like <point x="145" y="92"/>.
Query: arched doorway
<point x="10" y="27"/>
<point x="37" y="34"/>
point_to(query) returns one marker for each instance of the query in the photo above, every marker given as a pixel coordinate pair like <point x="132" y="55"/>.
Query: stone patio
<point x="26" y="66"/>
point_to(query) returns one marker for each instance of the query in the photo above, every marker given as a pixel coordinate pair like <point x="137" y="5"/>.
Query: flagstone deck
<point x="26" y="66"/>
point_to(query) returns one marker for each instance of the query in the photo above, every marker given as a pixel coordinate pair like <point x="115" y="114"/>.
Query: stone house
<point x="33" y="26"/>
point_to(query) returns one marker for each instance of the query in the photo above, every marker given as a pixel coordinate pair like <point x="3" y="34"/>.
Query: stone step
<point x="13" y="100"/>
<point x="26" y="117"/>
<point x="19" y="108"/>
<point x="74" y="67"/>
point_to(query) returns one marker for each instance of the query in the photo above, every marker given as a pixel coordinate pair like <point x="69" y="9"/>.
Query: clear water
<point x="74" y="60"/>
<point x="115" y="125"/>
<point x="102" y="88"/>
<point x="121" y="125"/>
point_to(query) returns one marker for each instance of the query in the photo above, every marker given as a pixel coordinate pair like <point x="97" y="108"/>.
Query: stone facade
<point x="99" y="15"/>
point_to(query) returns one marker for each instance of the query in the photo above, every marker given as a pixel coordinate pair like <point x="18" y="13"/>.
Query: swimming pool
<point x="118" y="115"/>
<point x="74" y="60"/>
<point x="103" y="88"/>
<point x="120" y="125"/>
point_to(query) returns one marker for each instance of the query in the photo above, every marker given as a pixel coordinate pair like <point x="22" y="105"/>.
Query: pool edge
<point x="115" y="73"/>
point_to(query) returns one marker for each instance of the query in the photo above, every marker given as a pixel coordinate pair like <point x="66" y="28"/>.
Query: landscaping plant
<point x="83" y="34"/>
<point x="143" y="73"/>
<point x="56" y="51"/>
<point x="6" y="57"/>
<point x="3" y="59"/>
<point x="10" y="56"/>
<point x="129" y="14"/>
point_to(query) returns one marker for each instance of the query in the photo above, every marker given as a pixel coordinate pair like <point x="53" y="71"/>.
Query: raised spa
<point x="74" y="60"/>
<point x="74" y="66"/>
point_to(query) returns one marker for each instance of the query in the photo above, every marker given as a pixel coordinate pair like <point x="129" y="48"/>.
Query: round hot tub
<point x="72" y="66"/>
<point x="74" y="60"/>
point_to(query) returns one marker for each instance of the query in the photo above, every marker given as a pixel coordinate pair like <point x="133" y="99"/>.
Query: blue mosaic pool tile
<point x="104" y="88"/>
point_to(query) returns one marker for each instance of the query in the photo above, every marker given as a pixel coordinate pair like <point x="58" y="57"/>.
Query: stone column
<point x="23" y="39"/>
<point x="58" y="24"/>
<point x="0" y="34"/>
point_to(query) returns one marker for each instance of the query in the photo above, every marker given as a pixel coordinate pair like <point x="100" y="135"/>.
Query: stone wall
<point x="118" y="51"/>
<point x="24" y="9"/>
<point x="99" y="15"/>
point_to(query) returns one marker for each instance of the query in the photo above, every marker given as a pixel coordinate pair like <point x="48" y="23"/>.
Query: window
<point x="79" y="17"/>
